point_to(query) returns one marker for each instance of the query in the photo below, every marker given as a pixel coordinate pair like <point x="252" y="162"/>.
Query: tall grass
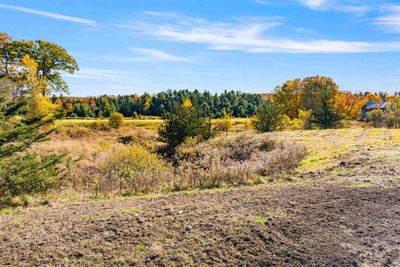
<point x="236" y="159"/>
<point x="124" y="161"/>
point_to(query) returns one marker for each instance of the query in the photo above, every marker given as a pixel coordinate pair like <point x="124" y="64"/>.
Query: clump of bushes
<point x="75" y="132"/>
<point x="235" y="159"/>
<point x="131" y="170"/>
<point x="389" y="118"/>
<point x="116" y="120"/>
<point x="99" y="124"/>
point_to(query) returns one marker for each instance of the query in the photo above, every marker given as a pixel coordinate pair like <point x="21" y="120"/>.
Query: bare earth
<point x="344" y="214"/>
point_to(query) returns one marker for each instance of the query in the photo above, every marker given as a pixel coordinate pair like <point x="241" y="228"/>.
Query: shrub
<point x="235" y="159"/>
<point x="376" y="116"/>
<point x="224" y="124"/>
<point x="392" y="114"/>
<point x="133" y="170"/>
<point x="76" y="132"/>
<point x="99" y="124"/>
<point x="302" y="122"/>
<point x="116" y="120"/>
<point x="143" y="139"/>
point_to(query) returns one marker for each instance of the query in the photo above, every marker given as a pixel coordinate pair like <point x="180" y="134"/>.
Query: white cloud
<point x="391" y="21"/>
<point x="313" y="3"/>
<point x="49" y="14"/>
<point x="345" y="6"/>
<point x="102" y="74"/>
<point x="249" y="35"/>
<point x="157" y="55"/>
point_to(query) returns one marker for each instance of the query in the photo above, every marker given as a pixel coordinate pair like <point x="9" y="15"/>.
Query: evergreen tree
<point x="184" y="122"/>
<point x="268" y="117"/>
<point x="23" y="172"/>
<point x="326" y="115"/>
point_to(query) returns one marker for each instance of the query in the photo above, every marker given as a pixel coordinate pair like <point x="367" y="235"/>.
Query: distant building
<point x="369" y="106"/>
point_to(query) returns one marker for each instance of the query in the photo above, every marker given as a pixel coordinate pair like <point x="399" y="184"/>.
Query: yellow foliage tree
<point x="372" y="98"/>
<point x="38" y="105"/>
<point x="187" y="104"/>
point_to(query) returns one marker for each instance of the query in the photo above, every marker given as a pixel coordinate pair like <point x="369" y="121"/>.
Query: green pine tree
<point x="21" y="171"/>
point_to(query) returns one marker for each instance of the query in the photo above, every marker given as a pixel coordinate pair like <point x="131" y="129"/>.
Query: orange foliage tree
<point x="350" y="104"/>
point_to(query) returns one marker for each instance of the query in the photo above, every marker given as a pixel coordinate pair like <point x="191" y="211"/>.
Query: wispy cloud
<point x="102" y="74"/>
<point x="313" y="3"/>
<point x="248" y="35"/>
<point x="148" y="54"/>
<point x="49" y="14"/>
<point x="391" y="21"/>
<point x="345" y="6"/>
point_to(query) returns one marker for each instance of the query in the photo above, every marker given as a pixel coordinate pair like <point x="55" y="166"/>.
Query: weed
<point x="132" y="211"/>
<point x="139" y="247"/>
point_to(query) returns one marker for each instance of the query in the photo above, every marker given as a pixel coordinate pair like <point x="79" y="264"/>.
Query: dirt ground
<point x="288" y="226"/>
<point x="342" y="209"/>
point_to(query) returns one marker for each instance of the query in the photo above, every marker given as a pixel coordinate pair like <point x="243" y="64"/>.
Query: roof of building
<point x="376" y="105"/>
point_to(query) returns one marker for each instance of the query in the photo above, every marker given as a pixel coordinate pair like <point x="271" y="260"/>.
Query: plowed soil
<point x="288" y="226"/>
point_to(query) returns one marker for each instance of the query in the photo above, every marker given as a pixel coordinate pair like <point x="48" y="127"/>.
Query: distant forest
<point x="236" y="103"/>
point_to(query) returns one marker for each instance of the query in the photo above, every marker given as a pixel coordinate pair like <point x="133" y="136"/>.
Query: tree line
<point x="234" y="102"/>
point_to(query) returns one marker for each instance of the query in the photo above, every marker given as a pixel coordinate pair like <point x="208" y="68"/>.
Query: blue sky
<point x="133" y="46"/>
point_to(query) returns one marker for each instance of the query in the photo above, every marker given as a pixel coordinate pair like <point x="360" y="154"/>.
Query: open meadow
<point x="340" y="206"/>
<point x="149" y="123"/>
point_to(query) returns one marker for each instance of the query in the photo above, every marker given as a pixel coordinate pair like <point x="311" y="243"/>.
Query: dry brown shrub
<point x="123" y="161"/>
<point x="130" y="170"/>
<point x="235" y="159"/>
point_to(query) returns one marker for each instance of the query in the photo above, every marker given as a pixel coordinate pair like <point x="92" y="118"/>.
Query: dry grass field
<point x="149" y="123"/>
<point x="341" y="207"/>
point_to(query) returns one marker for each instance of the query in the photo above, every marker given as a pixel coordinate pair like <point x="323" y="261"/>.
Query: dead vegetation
<point x="235" y="160"/>
<point x="124" y="161"/>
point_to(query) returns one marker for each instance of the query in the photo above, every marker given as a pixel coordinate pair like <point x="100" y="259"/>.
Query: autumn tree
<point x="316" y="94"/>
<point x="350" y="104"/>
<point x="52" y="61"/>
<point x="372" y="98"/>
<point x="4" y="37"/>
<point x="289" y="97"/>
